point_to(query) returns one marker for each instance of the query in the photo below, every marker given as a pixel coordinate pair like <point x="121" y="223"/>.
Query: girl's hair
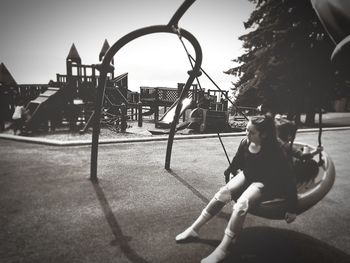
<point x="265" y="125"/>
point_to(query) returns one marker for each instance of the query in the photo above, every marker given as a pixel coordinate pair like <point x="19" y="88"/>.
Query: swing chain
<point x="191" y="60"/>
<point x="320" y="161"/>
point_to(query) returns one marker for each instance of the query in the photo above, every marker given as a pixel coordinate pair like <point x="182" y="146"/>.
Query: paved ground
<point x="51" y="212"/>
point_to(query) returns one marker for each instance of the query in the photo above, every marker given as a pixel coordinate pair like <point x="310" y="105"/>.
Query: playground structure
<point x="12" y="93"/>
<point x="71" y="96"/>
<point x="201" y="110"/>
<point x="70" y="100"/>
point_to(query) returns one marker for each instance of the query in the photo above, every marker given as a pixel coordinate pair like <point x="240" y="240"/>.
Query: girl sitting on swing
<point x="264" y="173"/>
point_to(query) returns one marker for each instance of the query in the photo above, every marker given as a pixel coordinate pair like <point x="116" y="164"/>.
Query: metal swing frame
<point x="272" y="209"/>
<point x="105" y="67"/>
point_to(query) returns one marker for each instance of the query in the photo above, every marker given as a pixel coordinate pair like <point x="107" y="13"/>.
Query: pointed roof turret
<point x="73" y="55"/>
<point x="103" y="51"/>
<point x="6" y="78"/>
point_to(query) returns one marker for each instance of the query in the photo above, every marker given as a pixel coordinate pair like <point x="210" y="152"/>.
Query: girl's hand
<point x="227" y="175"/>
<point x="319" y="149"/>
<point x="290" y="217"/>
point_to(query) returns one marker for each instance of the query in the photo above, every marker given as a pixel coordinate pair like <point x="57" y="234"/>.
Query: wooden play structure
<point x="200" y="110"/>
<point x="12" y="93"/>
<point x="70" y="101"/>
<point x="70" y="98"/>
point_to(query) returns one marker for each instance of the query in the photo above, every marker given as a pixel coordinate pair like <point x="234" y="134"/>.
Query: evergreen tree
<point x="286" y="66"/>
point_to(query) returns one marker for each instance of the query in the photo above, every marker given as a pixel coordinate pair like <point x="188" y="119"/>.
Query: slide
<point x="168" y="117"/>
<point x="150" y="111"/>
<point x="47" y="103"/>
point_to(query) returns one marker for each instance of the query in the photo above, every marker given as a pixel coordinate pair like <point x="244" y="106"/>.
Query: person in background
<point x="18" y="117"/>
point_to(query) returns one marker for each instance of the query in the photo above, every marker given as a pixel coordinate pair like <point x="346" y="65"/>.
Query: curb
<point x="133" y="140"/>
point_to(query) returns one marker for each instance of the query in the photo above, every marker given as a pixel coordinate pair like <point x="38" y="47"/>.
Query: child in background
<point x="304" y="167"/>
<point x="18" y="118"/>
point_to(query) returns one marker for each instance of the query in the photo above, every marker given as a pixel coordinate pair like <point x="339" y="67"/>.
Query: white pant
<point x="250" y="197"/>
<point x="252" y="193"/>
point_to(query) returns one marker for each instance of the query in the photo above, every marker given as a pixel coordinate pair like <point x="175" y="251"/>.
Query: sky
<point x="36" y="36"/>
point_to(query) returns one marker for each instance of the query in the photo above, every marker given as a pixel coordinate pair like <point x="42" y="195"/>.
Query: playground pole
<point x="193" y="74"/>
<point x="97" y="124"/>
<point x="139" y="112"/>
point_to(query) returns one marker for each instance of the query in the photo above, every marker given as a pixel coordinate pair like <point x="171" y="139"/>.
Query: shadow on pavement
<point x="120" y="239"/>
<point x="205" y="200"/>
<point x="271" y="245"/>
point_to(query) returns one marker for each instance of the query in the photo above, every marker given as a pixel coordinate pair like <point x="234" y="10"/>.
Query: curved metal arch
<point x="106" y="67"/>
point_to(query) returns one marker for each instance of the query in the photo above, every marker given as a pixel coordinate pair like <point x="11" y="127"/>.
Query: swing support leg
<point x="193" y="74"/>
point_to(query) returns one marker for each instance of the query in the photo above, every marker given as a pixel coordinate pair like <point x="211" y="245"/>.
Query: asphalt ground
<point x="51" y="212"/>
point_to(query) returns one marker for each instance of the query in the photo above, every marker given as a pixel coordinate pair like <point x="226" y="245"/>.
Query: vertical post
<point x="132" y="113"/>
<point x="123" y="123"/>
<point x="139" y="105"/>
<point x="156" y="103"/>
<point x="156" y="113"/>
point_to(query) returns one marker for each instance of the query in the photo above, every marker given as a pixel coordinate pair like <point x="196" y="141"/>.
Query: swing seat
<point x="309" y="192"/>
